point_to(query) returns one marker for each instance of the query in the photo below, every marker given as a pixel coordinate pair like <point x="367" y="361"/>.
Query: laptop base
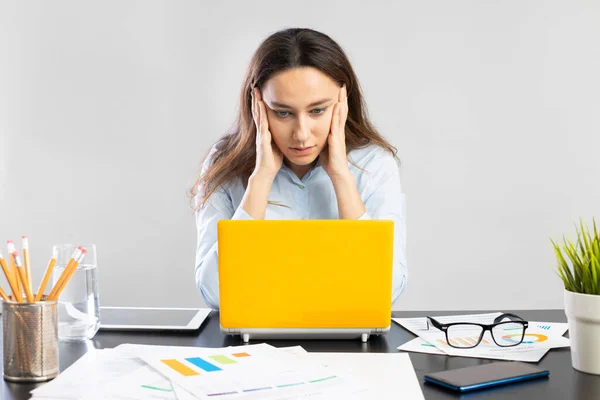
<point x="298" y="333"/>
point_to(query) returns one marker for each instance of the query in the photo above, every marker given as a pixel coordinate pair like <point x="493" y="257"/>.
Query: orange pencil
<point x="47" y="275"/>
<point x="22" y="276"/>
<point x="10" y="279"/>
<point x="27" y="263"/>
<point x="65" y="272"/>
<point x="11" y="249"/>
<point x="70" y="274"/>
<point x="3" y="295"/>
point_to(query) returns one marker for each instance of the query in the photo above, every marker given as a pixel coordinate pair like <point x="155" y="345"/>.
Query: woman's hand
<point x="333" y="158"/>
<point x="268" y="156"/>
<point x="268" y="162"/>
<point x="335" y="162"/>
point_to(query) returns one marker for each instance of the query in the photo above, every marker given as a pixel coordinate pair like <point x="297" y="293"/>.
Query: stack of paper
<point x="249" y="372"/>
<point x="539" y="338"/>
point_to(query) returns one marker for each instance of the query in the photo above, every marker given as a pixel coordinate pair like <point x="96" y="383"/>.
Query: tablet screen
<point x="152" y="317"/>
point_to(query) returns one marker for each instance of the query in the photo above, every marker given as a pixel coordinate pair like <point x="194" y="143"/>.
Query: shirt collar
<point x="317" y="166"/>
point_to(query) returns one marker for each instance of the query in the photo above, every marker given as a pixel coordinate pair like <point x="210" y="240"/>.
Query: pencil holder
<point x="30" y="338"/>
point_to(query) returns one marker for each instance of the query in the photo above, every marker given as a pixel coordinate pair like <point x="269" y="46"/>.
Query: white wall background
<point x="107" y="108"/>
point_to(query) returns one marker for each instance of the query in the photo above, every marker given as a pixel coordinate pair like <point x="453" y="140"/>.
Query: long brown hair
<point x="235" y="153"/>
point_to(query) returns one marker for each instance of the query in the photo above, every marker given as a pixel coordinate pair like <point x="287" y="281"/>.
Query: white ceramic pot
<point x="583" y="314"/>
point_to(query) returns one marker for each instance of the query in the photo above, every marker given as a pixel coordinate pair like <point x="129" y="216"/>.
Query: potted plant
<point x="579" y="269"/>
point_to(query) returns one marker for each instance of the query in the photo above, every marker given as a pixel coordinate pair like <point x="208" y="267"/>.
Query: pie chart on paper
<point x="530" y="338"/>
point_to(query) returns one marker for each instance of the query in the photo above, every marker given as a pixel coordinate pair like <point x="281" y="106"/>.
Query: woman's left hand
<point x="333" y="157"/>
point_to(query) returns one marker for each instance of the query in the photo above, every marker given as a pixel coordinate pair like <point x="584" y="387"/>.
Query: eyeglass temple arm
<point x="434" y="323"/>
<point x="512" y="317"/>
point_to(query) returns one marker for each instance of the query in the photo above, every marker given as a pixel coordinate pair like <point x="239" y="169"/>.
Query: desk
<point x="564" y="383"/>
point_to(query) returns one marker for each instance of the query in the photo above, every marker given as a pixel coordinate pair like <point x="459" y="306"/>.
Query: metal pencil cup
<point x="30" y="341"/>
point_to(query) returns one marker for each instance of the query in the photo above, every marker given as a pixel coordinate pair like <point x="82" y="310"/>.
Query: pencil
<point x="47" y="275"/>
<point x="3" y="295"/>
<point x="26" y="261"/>
<point x="11" y="249"/>
<point x="70" y="274"/>
<point x="65" y="272"/>
<point x="21" y="271"/>
<point x="10" y="279"/>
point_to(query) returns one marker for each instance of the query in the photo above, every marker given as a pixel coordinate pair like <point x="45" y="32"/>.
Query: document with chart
<point x="539" y="338"/>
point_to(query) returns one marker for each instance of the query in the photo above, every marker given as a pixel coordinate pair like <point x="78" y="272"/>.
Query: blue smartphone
<point x="485" y="375"/>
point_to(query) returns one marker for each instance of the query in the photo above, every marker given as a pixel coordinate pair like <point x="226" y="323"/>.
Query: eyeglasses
<point x="466" y="335"/>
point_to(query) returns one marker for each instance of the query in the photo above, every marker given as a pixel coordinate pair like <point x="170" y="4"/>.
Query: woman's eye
<point x="285" y="114"/>
<point x="282" y="114"/>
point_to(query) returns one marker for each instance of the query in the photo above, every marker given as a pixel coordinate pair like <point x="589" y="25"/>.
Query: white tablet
<point x="146" y="318"/>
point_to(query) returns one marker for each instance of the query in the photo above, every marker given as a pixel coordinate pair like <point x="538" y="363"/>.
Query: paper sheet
<point x="118" y="374"/>
<point x="383" y="375"/>
<point x="256" y="371"/>
<point x="418" y="345"/>
<point x="88" y="375"/>
<point x="182" y="394"/>
<point x="539" y="338"/>
<point x="140" y="384"/>
<point x="145" y="382"/>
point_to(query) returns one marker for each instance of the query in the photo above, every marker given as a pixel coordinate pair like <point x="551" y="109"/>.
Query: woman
<point x="301" y="148"/>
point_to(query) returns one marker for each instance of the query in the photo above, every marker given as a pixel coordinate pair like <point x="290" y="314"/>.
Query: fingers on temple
<point x="263" y="118"/>
<point x="335" y="120"/>
<point x="253" y="105"/>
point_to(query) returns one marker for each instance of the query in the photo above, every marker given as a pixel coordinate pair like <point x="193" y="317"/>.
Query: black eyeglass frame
<point x="497" y="321"/>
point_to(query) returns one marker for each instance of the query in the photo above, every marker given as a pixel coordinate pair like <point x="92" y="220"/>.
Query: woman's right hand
<point x="268" y="156"/>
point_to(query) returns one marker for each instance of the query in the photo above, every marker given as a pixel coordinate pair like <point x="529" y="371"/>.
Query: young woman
<point x="302" y="148"/>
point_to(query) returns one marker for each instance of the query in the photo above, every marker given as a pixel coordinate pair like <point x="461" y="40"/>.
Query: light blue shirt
<point x="311" y="197"/>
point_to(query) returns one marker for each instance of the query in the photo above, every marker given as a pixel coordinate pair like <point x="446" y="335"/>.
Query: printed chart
<point x="228" y="374"/>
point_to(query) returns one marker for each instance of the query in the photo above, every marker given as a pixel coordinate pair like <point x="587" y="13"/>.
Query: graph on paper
<point x="223" y="374"/>
<point x="465" y="341"/>
<point x="529" y="338"/>
<point x="538" y="338"/>
<point x="193" y="366"/>
<point x="545" y="327"/>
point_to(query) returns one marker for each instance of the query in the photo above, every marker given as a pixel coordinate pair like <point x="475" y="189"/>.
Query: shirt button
<point x="301" y="186"/>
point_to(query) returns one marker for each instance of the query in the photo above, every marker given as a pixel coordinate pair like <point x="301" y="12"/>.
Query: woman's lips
<point x="302" y="151"/>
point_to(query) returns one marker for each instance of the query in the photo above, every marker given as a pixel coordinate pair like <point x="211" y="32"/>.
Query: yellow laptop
<point x="305" y="278"/>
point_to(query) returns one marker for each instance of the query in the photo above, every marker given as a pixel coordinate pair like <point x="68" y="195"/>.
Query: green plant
<point x="582" y="273"/>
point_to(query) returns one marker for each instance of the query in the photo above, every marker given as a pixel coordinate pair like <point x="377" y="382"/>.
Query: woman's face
<point x="299" y="105"/>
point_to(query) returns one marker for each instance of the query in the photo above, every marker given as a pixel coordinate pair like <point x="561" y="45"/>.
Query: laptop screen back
<point x="305" y="273"/>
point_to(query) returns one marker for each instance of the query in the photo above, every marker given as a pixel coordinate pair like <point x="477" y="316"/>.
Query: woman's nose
<point x="302" y="130"/>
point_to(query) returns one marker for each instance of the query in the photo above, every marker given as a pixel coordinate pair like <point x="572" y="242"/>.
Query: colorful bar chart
<point x="203" y="364"/>
<point x="222" y="374"/>
<point x="223" y="360"/>
<point x="180" y="367"/>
